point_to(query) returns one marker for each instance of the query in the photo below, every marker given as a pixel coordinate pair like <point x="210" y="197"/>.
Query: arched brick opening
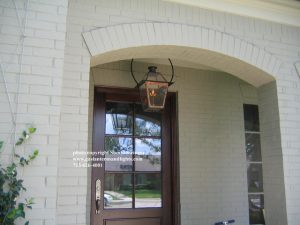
<point x="196" y="44"/>
<point x="216" y="49"/>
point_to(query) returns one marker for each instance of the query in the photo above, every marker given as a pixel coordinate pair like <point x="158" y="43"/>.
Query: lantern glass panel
<point x="153" y="95"/>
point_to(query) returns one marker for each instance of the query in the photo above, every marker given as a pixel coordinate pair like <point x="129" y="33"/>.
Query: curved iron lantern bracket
<point x="138" y="84"/>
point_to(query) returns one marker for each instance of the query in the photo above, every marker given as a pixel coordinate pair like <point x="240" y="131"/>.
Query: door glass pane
<point x="147" y="123"/>
<point x="251" y="117"/>
<point x="256" y="206"/>
<point x="253" y="151"/>
<point x="147" y="190"/>
<point x="118" y="154"/>
<point x="118" y="191"/>
<point x="255" y="178"/>
<point x="148" y="154"/>
<point x="118" y="118"/>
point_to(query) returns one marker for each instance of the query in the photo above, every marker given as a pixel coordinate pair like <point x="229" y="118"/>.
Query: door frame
<point x="175" y="179"/>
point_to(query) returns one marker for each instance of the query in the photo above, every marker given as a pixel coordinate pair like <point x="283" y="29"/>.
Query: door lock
<point x="98" y="195"/>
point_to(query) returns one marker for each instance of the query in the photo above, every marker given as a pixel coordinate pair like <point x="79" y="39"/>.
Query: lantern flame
<point x="152" y="93"/>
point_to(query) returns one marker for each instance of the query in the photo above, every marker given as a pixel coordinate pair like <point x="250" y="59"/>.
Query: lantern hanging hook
<point x="137" y="83"/>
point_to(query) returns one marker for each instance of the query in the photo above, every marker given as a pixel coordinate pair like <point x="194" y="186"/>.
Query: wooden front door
<point x="133" y="181"/>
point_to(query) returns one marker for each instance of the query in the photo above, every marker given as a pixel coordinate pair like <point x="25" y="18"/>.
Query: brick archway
<point x="191" y="43"/>
<point x="219" y="50"/>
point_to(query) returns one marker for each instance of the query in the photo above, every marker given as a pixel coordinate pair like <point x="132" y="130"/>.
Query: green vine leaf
<point x="36" y="152"/>
<point x="20" y="141"/>
<point x="30" y="201"/>
<point x="1" y="144"/>
<point x="34" y="155"/>
<point x="11" y="214"/>
<point x="32" y="130"/>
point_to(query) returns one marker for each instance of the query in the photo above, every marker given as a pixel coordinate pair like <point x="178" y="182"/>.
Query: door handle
<point x="98" y="195"/>
<point x="97" y="206"/>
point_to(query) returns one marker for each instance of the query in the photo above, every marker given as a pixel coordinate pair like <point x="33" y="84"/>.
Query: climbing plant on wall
<point x="11" y="186"/>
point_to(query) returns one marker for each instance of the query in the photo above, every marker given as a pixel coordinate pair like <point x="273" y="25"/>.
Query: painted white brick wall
<point x="211" y="143"/>
<point x="42" y="69"/>
<point x="45" y="43"/>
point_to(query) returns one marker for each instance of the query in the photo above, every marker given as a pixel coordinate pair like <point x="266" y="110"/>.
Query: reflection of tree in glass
<point x="153" y="159"/>
<point x="151" y="145"/>
<point x="120" y="145"/>
<point x="145" y="127"/>
<point x="250" y="147"/>
<point x="253" y="147"/>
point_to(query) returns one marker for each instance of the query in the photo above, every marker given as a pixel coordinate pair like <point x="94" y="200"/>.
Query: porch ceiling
<point x="192" y="44"/>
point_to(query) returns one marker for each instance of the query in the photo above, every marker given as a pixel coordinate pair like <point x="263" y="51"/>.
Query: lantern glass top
<point x="153" y="75"/>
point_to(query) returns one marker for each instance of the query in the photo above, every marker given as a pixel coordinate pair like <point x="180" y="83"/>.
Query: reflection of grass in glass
<point x="145" y="193"/>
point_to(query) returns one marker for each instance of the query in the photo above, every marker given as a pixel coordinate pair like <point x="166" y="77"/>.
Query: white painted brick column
<point x="288" y="88"/>
<point x="73" y="187"/>
<point x="272" y="156"/>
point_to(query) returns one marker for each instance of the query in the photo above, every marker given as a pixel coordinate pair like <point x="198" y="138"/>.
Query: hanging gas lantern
<point x="153" y="88"/>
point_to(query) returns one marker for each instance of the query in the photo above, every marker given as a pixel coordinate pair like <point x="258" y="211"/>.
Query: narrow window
<point x="254" y="164"/>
